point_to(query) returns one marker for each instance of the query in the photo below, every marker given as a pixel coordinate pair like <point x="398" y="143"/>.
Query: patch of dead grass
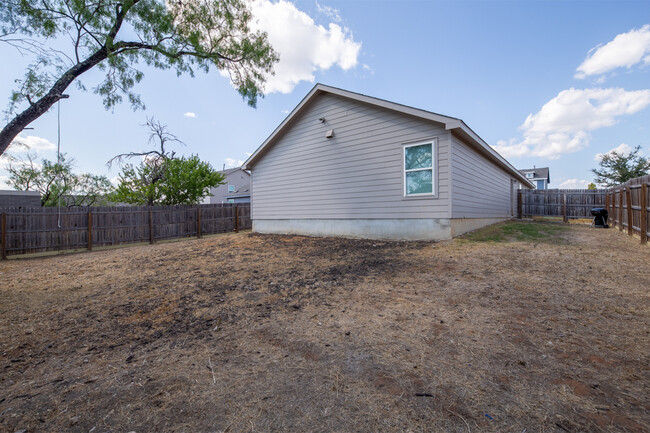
<point x="285" y="333"/>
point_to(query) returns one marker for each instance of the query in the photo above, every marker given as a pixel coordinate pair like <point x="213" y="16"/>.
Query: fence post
<point x="612" y="203"/>
<point x="644" y="213"/>
<point x="519" y="205"/>
<point x="620" y="210"/>
<point x="236" y="219"/>
<point x="150" y="226"/>
<point x="628" y="199"/>
<point x="198" y="221"/>
<point x="3" y="234"/>
<point x="564" y="217"/>
<point x="90" y="231"/>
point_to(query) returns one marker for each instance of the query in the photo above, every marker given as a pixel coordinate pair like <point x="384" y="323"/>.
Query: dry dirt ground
<point x="246" y="332"/>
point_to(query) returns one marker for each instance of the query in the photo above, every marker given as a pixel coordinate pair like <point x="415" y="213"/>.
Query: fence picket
<point x="633" y="197"/>
<point x="565" y="203"/>
<point x="34" y="230"/>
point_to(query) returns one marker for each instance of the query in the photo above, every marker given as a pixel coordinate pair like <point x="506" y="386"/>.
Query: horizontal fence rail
<point x="628" y="207"/>
<point x="25" y="231"/>
<point x="566" y="203"/>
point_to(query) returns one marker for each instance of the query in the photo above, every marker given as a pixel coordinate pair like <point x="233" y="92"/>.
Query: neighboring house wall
<point x="240" y="180"/>
<point x="540" y="177"/>
<point x="11" y="198"/>
<point x="480" y="189"/>
<point x="358" y="173"/>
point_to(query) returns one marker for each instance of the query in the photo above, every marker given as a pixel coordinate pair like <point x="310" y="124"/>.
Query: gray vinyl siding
<point x="11" y="198"/>
<point x="480" y="189"/>
<point x="241" y="180"/>
<point x="356" y="174"/>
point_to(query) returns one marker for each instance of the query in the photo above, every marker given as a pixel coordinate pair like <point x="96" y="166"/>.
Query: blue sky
<point x="549" y="83"/>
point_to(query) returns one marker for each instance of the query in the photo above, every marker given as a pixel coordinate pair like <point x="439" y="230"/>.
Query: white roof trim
<point x="451" y="123"/>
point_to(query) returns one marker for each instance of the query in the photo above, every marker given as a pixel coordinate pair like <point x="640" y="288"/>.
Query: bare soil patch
<point x="247" y="332"/>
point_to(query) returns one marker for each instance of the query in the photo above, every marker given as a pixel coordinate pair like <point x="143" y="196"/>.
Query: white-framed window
<point x="529" y="175"/>
<point x="231" y="200"/>
<point x="419" y="169"/>
<point x="231" y="188"/>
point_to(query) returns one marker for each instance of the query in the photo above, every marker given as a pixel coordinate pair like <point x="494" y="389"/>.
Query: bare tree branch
<point x="159" y="135"/>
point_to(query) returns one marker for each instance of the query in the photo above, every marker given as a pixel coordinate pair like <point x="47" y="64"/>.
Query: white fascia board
<point x="423" y="114"/>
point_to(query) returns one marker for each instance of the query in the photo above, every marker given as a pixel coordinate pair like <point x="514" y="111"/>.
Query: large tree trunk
<point x="40" y="107"/>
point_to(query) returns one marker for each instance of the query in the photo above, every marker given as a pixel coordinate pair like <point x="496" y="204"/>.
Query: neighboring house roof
<point x="451" y="123"/>
<point x="538" y="173"/>
<point x="232" y="170"/>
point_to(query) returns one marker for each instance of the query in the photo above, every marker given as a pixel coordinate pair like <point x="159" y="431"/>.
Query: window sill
<point x="420" y="197"/>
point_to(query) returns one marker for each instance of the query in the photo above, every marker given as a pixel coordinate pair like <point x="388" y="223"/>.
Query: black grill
<point x="600" y="217"/>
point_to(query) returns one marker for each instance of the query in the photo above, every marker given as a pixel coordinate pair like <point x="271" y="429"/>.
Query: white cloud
<point x="232" y="162"/>
<point x="625" y="50"/>
<point x="621" y="149"/>
<point x="284" y="111"/>
<point x="190" y="114"/>
<point x="563" y="124"/>
<point x="330" y="12"/>
<point x="4" y="181"/>
<point x="304" y="47"/>
<point x="574" y="184"/>
<point x="33" y="143"/>
<point x="19" y="160"/>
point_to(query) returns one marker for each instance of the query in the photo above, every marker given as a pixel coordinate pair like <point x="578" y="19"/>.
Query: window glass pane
<point x="540" y="184"/>
<point x="419" y="182"/>
<point x="418" y="157"/>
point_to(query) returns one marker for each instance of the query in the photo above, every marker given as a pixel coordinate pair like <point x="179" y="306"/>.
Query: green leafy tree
<point x="161" y="178"/>
<point x="188" y="180"/>
<point x="166" y="182"/>
<point x="591" y="186"/>
<point x="57" y="183"/>
<point x="617" y="168"/>
<point x="87" y="190"/>
<point x="139" y="185"/>
<point x="115" y="35"/>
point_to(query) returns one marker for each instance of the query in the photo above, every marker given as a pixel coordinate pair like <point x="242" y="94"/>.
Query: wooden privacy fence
<point x="25" y="231"/>
<point x="627" y="206"/>
<point x="567" y="203"/>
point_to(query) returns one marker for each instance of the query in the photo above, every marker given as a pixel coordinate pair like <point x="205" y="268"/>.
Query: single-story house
<point x="539" y="177"/>
<point x="235" y="189"/>
<point x="19" y="199"/>
<point x="346" y="164"/>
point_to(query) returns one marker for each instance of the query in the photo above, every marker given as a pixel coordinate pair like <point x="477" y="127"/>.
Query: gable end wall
<point x="356" y="174"/>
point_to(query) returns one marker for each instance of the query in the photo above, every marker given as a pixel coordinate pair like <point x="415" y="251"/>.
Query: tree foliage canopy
<point x="169" y="181"/>
<point x="161" y="178"/>
<point x="117" y="35"/>
<point x="617" y="168"/>
<point x="57" y="183"/>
